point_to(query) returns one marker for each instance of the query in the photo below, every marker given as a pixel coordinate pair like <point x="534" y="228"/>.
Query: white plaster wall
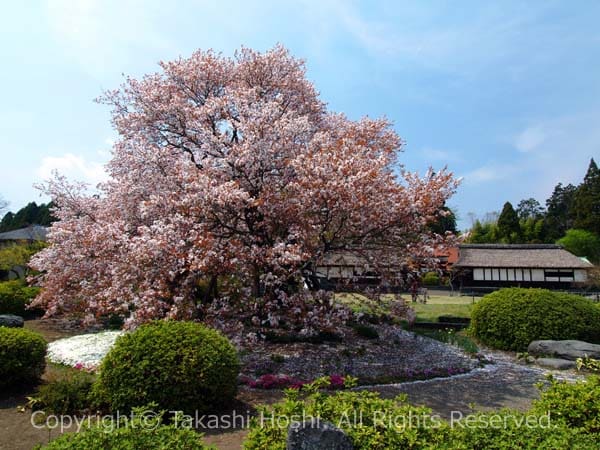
<point x="537" y="274"/>
<point x="580" y="275"/>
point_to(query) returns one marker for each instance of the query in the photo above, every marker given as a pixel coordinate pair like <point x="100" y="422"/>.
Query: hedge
<point x="509" y="319"/>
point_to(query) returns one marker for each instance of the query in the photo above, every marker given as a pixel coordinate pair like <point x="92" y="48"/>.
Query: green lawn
<point x="437" y="305"/>
<point x="442" y="305"/>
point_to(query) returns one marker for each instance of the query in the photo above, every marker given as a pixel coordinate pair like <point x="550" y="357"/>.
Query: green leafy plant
<point x="179" y="365"/>
<point x="431" y="279"/>
<point x="451" y="337"/>
<point x="15" y="297"/>
<point x="141" y="431"/>
<point x="509" y="430"/>
<point x="509" y="319"/>
<point x="68" y="393"/>
<point x="593" y="365"/>
<point x="341" y="409"/>
<point x="373" y="423"/>
<point x="577" y="404"/>
<point x="22" y="356"/>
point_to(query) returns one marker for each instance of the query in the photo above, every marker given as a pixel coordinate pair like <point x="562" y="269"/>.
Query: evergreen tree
<point x="508" y="224"/>
<point x="32" y="214"/>
<point x="558" y="212"/>
<point x="586" y="204"/>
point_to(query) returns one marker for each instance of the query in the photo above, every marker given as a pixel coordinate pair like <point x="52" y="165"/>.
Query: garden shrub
<point x="139" y="432"/>
<point x="22" y="356"/>
<point x="340" y="409"/>
<point x="578" y="404"/>
<point x="67" y="394"/>
<point x="15" y="297"/>
<point x="508" y="430"/>
<point x="431" y="279"/>
<point x="179" y="365"/>
<point x="373" y="423"/>
<point x="589" y="364"/>
<point x="509" y="319"/>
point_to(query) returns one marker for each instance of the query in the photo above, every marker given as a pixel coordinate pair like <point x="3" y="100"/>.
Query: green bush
<point x="15" y="296"/>
<point x="578" y="404"/>
<point x="22" y="356"/>
<point x="68" y="394"/>
<point x="179" y="365"/>
<point x="431" y="279"/>
<point x="509" y="319"/>
<point x="373" y="423"/>
<point x="508" y="430"/>
<point x="140" y="432"/>
<point x="340" y="409"/>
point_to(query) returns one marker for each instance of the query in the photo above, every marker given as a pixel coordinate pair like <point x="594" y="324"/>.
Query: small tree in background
<point x="529" y="209"/>
<point x="582" y="243"/>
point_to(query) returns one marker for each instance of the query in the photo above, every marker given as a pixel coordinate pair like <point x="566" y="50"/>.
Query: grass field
<point x="437" y="305"/>
<point x="442" y="305"/>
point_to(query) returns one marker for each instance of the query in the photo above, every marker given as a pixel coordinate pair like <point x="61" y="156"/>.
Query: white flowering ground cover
<point x="85" y="351"/>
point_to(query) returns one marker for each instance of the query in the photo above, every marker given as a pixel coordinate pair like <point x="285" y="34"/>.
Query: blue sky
<point x="507" y="95"/>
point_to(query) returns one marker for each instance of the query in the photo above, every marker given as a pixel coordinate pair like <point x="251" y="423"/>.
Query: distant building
<point x="28" y="234"/>
<point x="492" y="266"/>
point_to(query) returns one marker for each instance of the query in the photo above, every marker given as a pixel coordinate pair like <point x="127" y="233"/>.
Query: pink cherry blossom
<point x="229" y="183"/>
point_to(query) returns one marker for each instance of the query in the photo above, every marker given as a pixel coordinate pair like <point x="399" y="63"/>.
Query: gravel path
<point x="503" y="384"/>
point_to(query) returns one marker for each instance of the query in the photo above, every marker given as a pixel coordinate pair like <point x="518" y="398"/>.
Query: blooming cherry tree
<point x="229" y="182"/>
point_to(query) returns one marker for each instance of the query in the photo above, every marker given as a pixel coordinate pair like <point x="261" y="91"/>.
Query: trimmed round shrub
<point x="509" y="319"/>
<point x="178" y="365"/>
<point x="22" y="356"/>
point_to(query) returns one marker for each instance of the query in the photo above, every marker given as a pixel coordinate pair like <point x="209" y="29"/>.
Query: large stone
<point x="556" y="363"/>
<point x="317" y="435"/>
<point x="11" y="321"/>
<point x="564" y="349"/>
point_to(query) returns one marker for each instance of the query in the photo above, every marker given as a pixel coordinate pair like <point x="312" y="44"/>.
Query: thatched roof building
<point x="539" y="265"/>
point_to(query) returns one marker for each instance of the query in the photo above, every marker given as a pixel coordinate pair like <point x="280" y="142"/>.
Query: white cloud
<point x="530" y="139"/>
<point x="75" y="167"/>
<point x="484" y="174"/>
<point x="551" y="151"/>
